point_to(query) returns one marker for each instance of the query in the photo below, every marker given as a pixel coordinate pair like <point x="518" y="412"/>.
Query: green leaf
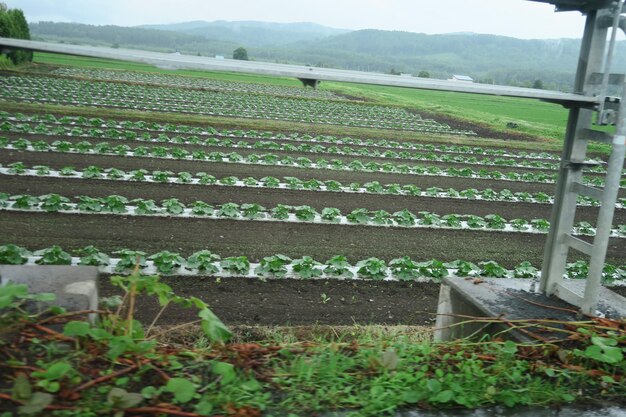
<point x="55" y="371"/>
<point x="433" y="385"/>
<point x="119" y="398"/>
<point x="225" y="370"/>
<point x="37" y="403"/>
<point x="182" y="388"/>
<point x="76" y="328"/>
<point x="444" y="396"/>
<point x="22" y="390"/>
<point x="204" y="408"/>
<point x="213" y="327"/>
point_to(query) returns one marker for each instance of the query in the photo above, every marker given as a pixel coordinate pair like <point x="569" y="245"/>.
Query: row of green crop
<point x="71" y="122"/>
<point x="194" y="83"/>
<point x="291" y="183"/>
<point x="271" y="145"/>
<point x="116" y="204"/>
<point x="258" y="106"/>
<point x="104" y="148"/>
<point x="205" y="262"/>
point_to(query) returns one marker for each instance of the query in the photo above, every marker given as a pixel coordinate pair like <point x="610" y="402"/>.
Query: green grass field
<point x="85" y="62"/>
<point x="533" y="116"/>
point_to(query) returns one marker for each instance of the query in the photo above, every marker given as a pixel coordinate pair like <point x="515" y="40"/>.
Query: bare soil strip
<point x="259" y="239"/>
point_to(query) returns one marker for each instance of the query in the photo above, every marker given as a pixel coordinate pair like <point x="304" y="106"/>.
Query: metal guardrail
<point x="178" y="61"/>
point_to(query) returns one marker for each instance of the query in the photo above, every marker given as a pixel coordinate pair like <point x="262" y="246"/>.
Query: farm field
<point x="316" y="225"/>
<point x="375" y="221"/>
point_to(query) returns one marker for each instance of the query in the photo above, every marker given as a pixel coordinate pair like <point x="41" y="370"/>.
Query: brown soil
<point x="297" y="302"/>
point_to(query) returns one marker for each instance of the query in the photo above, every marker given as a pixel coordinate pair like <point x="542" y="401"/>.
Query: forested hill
<point x="486" y="58"/>
<point x="129" y="37"/>
<point x="252" y="33"/>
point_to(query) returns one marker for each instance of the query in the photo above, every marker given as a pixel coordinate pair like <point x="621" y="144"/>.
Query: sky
<point x="516" y="18"/>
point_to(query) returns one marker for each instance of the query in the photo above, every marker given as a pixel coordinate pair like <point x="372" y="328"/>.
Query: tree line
<point x="13" y="25"/>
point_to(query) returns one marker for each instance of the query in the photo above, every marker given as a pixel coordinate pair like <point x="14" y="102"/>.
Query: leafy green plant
<point x="204" y="178"/>
<point x="404" y="218"/>
<point x="519" y="224"/>
<point x="429" y="219"/>
<point x="464" y="268"/>
<point x="540" y="224"/>
<point x="11" y="254"/>
<point x="307" y="267"/>
<point x="433" y="269"/>
<point x="200" y="208"/>
<point x="305" y="213"/>
<point x="145" y="206"/>
<point x="229" y="210"/>
<point x="53" y="202"/>
<point x="129" y="259"/>
<point x="381" y="217"/>
<point x="525" y="270"/>
<point x="273" y="265"/>
<point x="281" y="212"/>
<point x="476" y="222"/>
<point x="166" y="262"/>
<point x="115" y="204"/>
<point x="67" y="171"/>
<point x="24" y="201"/>
<point x="495" y="221"/>
<point x="252" y="211"/>
<point x="173" y="206"/>
<point x="53" y="375"/>
<point x="237" y="265"/>
<point x="492" y="269"/>
<point x="184" y="177"/>
<point x="90" y="255"/>
<point x="42" y="169"/>
<point x="204" y="261"/>
<point x="372" y="268"/>
<point x="93" y="172"/>
<point x="359" y="216"/>
<point x="53" y="255"/>
<point x="451" y="220"/>
<point x="577" y="270"/>
<point x="338" y="266"/>
<point x="330" y="214"/>
<point x="89" y="204"/>
<point x="404" y="268"/>
<point x="270" y="182"/>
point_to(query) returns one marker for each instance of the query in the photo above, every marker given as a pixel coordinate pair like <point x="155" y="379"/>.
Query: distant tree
<point x="13" y="25"/>
<point x="241" y="54"/>
<point x="393" y="71"/>
<point x="538" y="84"/>
<point x="424" y="74"/>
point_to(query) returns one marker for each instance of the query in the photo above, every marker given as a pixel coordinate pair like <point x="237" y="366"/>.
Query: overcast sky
<point x="517" y="18"/>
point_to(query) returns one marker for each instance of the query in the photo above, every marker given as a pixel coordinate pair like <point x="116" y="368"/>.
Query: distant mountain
<point x="253" y="33"/>
<point x="130" y="37"/>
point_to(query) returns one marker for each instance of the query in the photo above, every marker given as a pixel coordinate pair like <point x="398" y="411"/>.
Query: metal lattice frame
<point x="592" y="79"/>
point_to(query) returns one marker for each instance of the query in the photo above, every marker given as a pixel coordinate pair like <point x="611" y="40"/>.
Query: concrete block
<point x="75" y="287"/>
<point x="508" y="299"/>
